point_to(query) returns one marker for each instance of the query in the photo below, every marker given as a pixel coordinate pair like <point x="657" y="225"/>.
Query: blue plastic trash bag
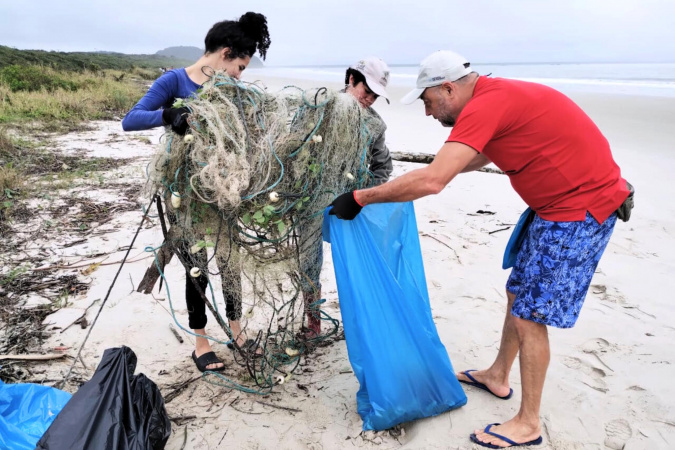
<point x="26" y="411"/>
<point x="403" y="368"/>
<point x="516" y="239"/>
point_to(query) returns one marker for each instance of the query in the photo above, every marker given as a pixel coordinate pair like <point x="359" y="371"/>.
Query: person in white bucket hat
<point x="366" y="80"/>
<point x="562" y="166"/>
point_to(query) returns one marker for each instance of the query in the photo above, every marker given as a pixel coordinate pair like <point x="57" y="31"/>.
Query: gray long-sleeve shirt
<point x="380" y="160"/>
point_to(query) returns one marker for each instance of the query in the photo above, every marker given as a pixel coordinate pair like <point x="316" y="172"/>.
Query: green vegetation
<point x="35" y="93"/>
<point x="62" y="99"/>
<point x="11" y="180"/>
<point x="13" y="274"/>
<point x="33" y="78"/>
<point x="58" y="92"/>
<point x="80" y="61"/>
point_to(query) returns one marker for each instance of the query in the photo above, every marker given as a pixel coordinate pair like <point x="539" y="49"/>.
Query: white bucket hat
<point x="436" y="68"/>
<point x="376" y="72"/>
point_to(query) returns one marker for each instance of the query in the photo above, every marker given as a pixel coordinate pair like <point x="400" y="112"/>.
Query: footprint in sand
<point x="617" y="433"/>
<point x="611" y="294"/>
<point x="596" y="374"/>
<point x="598" y="345"/>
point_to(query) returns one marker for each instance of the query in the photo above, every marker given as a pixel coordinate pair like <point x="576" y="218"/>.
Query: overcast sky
<point x="337" y="32"/>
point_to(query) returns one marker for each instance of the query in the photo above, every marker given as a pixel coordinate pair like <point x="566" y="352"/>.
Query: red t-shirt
<point x="557" y="159"/>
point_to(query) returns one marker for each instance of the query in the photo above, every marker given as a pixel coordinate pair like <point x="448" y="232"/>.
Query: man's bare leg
<point x="496" y="377"/>
<point x="534" y="358"/>
<point x="202" y="345"/>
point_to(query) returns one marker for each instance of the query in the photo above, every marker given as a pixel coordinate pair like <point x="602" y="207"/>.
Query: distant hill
<point x="87" y="60"/>
<point x="183" y="52"/>
<point x="192" y="54"/>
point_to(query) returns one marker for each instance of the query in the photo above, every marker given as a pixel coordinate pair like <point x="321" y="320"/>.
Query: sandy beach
<point x="608" y="383"/>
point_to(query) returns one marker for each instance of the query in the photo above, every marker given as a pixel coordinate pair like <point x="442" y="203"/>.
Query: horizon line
<point x="347" y="64"/>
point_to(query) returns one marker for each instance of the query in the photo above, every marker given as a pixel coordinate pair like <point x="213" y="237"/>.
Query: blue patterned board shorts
<point x="554" y="268"/>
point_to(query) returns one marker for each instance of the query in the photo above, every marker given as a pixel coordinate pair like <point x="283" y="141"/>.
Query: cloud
<point x="337" y="32"/>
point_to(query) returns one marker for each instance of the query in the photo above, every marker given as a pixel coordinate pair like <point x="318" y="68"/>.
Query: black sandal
<point x="205" y="360"/>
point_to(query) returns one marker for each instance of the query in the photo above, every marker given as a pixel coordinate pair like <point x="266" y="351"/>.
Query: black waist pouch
<point x="626" y="207"/>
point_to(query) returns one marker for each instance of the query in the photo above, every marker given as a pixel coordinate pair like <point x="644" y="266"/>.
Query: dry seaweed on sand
<point x="21" y="327"/>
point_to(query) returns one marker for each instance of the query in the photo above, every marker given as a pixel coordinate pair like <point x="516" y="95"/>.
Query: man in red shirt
<point x="559" y="162"/>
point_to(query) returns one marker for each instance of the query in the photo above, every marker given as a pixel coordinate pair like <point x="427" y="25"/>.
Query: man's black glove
<point x="177" y="118"/>
<point x="345" y="206"/>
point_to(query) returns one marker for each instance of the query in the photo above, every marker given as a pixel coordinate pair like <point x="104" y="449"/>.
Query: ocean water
<point x="629" y="79"/>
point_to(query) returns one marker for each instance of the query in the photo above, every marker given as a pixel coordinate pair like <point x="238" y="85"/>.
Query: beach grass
<point x="52" y="100"/>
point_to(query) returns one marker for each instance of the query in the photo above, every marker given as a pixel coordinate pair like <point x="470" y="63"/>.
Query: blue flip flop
<point x="479" y="385"/>
<point x="503" y="438"/>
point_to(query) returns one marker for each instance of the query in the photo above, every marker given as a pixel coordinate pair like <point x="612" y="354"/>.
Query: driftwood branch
<point x="151" y="276"/>
<point x="178" y="388"/>
<point x="426" y="158"/>
<point x="497" y="231"/>
<point x="163" y="257"/>
<point x="165" y="254"/>
<point x="438" y="240"/>
<point x="170" y="245"/>
<point x="285" y="408"/>
<point x="175" y="333"/>
<point x="33" y="357"/>
<point x="82" y="320"/>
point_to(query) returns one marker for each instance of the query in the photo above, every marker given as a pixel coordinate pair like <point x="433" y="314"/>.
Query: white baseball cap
<point x="436" y="68"/>
<point x="376" y="72"/>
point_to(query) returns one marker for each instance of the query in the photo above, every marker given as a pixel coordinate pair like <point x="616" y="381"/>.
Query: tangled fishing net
<point x="245" y="191"/>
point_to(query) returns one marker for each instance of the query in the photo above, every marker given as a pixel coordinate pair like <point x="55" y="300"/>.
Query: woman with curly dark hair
<point x="229" y="46"/>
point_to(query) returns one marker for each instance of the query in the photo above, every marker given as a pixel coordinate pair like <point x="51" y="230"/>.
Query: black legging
<point x="231" y="281"/>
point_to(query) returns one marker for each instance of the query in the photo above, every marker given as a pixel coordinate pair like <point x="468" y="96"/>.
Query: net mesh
<point x="245" y="191"/>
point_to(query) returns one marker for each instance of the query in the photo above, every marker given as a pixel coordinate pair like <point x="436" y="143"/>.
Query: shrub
<point x="147" y="74"/>
<point x="8" y="151"/>
<point x="33" y="78"/>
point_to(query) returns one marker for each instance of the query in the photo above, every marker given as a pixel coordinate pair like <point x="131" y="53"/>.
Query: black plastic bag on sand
<point x="114" y="410"/>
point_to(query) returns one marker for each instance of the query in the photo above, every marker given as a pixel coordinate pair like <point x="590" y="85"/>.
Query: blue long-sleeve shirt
<point x="147" y="113"/>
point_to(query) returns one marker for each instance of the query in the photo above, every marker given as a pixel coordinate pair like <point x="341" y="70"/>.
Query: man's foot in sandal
<point x="208" y="362"/>
<point x="510" y="434"/>
<point x="472" y="379"/>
